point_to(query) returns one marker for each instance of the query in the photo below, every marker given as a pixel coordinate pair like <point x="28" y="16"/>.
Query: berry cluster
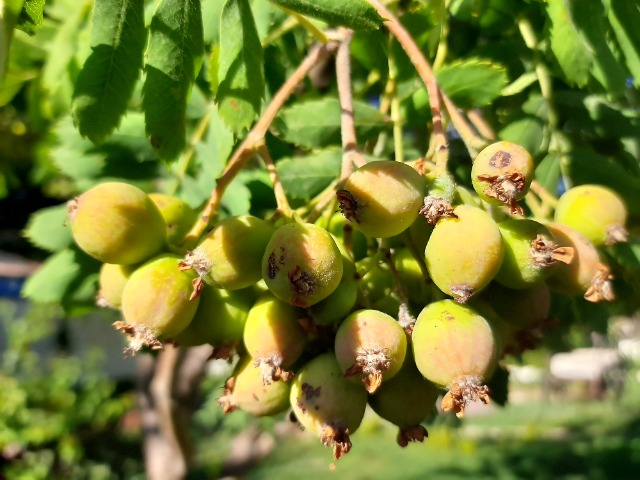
<point x="321" y="314"/>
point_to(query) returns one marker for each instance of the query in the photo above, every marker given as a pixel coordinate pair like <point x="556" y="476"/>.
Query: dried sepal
<point x="463" y="392"/>
<point x="506" y="189"/>
<point x="435" y="208"/>
<point x="601" y="288"/>
<point x="415" y="433"/>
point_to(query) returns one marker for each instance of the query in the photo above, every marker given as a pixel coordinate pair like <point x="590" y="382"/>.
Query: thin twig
<point x="480" y="124"/>
<point x="426" y="74"/>
<point x="350" y="152"/>
<point x="471" y="139"/>
<point x="278" y="190"/>
<point x="255" y="138"/>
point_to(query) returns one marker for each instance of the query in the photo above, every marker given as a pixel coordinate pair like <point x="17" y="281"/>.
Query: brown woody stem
<point x="254" y="139"/>
<point x="278" y="189"/>
<point x="350" y="152"/>
<point x="426" y="74"/>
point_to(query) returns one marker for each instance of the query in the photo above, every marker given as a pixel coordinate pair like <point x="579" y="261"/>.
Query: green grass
<point x="535" y="441"/>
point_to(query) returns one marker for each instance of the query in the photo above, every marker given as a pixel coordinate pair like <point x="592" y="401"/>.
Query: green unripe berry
<point x="327" y="404"/>
<point x="302" y="264"/>
<point x="530" y="253"/>
<point x="112" y="280"/>
<point x="586" y="275"/>
<point x="382" y="198"/>
<point x="230" y="256"/>
<point x="156" y="302"/>
<point x="406" y="400"/>
<point x="273" y="337"/>
<point x="464" y="253"/>
<point x="177" y="214"/>
<point x="595" y="211"/>
<point x="456" y="348"/>
<point x="117" y="223"/>
<point x="246" y="391"/>
<point x="371" y="347"/>
<point x="219" y="320"/>
<point x="501" y="174"/>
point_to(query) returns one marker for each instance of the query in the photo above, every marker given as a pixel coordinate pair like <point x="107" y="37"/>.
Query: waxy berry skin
<point x="382" y="198"/>
<point x="326" y="403"/>
<point x="501" y="174"/>
<point x="455" y="347"/>
<point x="302" y="264"/>
<point x="464" y="253"/>
<point x="117" y="223"/>
<point x="596" y="212"/>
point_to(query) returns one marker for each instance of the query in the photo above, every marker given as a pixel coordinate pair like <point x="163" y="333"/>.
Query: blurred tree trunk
<point x="168" y="387"/>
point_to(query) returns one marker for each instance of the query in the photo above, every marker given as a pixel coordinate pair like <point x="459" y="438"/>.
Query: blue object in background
<point x="10" y="287"/>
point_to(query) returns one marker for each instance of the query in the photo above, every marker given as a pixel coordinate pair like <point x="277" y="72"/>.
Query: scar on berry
<point x="348" y="205"/>
<point x="500" y="159"/>
<point x="272" y="267"/>
<point x="310" y="392"/>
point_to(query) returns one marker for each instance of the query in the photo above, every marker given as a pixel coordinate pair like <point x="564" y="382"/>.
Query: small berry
<point x="370" y="346"/>
<point x="327" y="404"/>
<point x="117" y="223"/>
<point x="273" y="337"/>
<point x="456" y="348"/>
<point x="156" y="304"/>
<point x="595" y="211"/>
<point x="464" y="253"/>
<point x="177" y="214"/>
<point x="501" y="174"/>
<point x="382" y="198"/>
<point x="302" y="264"/>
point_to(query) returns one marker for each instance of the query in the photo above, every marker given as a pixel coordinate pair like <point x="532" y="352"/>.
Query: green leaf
<point x="316" y="123"/>
<point x="48" y="229"/>
<point x="240" y="74"/>
<point x="304" y="177"/>
<point x="548" y="171"/>
<point x="354" y="14"/>
<point x="56" y="278"/>
<point x="108" y="77"/>
<point x="472" y="82"/>
<point x="624" y="17"/>
<point x="568" y="44"/>
<point x="590" y="19"/>
<point x="174" y="56"/>
<point x="31" y="16"/>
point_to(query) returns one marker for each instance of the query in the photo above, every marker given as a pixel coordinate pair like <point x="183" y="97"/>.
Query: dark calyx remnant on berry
<point x="198" y="263"/>
<point x="463" y="392"/>
<point x="545" y="253"/>
<point x="616" y="234"/>
<point x="505" y="188"/>
<point x="415" y="433"/>
<point x="271" y="369"/>
<point x="303" y="285"/>
<point x="371" y="364"/>
<point x="462" y="293"/>
<point x="601" y="288"/>
<point x="435" y="208"/>
<point x="348" y="205"/>
<point x="336" y="436"/>
<point x="226" y="401"/>
<point x="138" y="336"/>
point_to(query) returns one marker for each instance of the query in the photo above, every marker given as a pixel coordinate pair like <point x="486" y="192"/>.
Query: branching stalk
<point x="350" y="152"/>
<point x="254" y="139"/>
<point x="278" y="190"/>
<point x="426" y="74"/>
